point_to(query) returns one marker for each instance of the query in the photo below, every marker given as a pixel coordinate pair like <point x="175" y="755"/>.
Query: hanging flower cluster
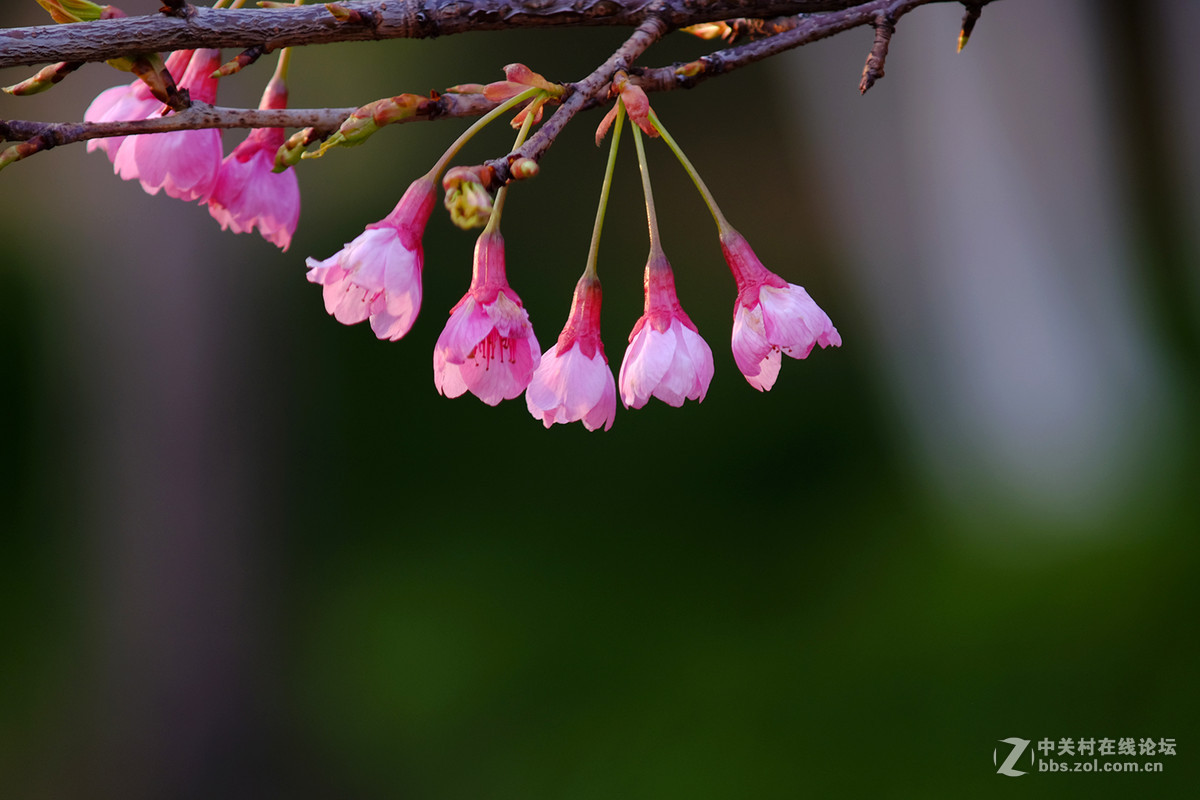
<point x="242" y="191"/>
<point x="488" y="347"/>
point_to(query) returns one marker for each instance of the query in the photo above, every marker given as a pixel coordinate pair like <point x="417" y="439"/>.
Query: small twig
<point x="968" y="23"/>
<point x="808" y="29"/>
<point x="242" y="60"/>
<point x="873" y="69"/>
<point x="581" y="95"/>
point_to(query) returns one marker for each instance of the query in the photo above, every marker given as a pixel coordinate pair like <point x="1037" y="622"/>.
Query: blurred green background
<point x="250" y="552"/>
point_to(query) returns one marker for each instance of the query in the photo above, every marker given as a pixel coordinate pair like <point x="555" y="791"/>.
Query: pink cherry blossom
<point x="129" y="101"/>
<point x="770" y="316"/>
<point x="378" y="275"/>
<point x="574" y="382"/>
<point x="487" y="347"/>
<point x="666" y="357"/>
<point x="248" y="192"/>
<point x="184" y="163"/>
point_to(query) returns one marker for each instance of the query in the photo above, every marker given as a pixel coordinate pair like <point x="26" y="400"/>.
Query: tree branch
<point x="202" y="115"/>
<point x="583" y="94"/>
<point x="379" y="19"/>
<point x="808" y="29"/>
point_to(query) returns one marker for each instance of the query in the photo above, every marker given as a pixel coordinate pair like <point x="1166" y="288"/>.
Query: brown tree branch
<point x="202" y="115"/>
<point x="378" y="19"/>
<point x="885" y="26"/>
<point x="580" y="95"/>
<point x="589" y="92"/>
<point x="808" y="29"/>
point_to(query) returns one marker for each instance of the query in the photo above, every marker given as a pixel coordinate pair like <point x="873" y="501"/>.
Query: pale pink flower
<point x="378" y="275"/>
<point x="574" y="382"/>
<point x="770" y="316"/>
<point x="248" y="192"/>
<point x="184" y="163"/>
<point x="487" y="347"/>
<point x="130" y="101"/>
<point x="666" y="357"/>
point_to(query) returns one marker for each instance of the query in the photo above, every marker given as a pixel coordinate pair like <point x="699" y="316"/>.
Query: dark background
<point x="250" y="552"/>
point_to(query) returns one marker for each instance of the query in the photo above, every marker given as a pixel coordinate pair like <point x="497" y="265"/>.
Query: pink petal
<point x="646" y="361"/>
<point x="750" y="346"/>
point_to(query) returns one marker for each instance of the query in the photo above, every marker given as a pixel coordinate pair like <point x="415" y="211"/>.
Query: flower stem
<point x="530" y="115"/>
<point x="651" y="216"/>
<point x="281" y="66"/>
<point x="479" y="125"/>
<point x="594" y="250"/>
<point x="722" y="225"/>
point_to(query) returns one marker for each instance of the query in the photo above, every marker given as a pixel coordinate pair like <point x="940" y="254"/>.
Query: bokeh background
<point x="249" y="552"/>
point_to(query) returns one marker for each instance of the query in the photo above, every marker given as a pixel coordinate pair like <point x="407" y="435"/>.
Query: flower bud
<point x="710" y="30"/>
<point x="524" y="168"/>
<point x="44" y="79"/>
<point x="469" y="204"/>
<point x="291" y="151"/>
<point x="65" y="11"/>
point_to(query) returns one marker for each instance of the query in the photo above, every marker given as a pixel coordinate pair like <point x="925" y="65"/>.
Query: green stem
<point x="594" y="250"/>
<point x="651" y="216"/>
<point x="479" y="125"/>
<point x="281" y="66"/>
<point x="723" y="226"/>
<point x="498" y="203"/>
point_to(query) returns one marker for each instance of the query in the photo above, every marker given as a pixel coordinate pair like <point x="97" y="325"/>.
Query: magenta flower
<point x="770" y="315"/>
<point x="378" y="275"/>
<point x="128" y="102"/>
<point x="248" y="193"/>
<point x="487" y="347"/>
<point x="666" y="357"/>
<point x="184" y="163"/>
<point x="573" y="382"/>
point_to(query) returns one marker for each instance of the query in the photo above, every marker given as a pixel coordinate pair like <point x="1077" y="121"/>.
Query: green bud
<point x="469" y="204"/>
<point x="64" y="11"/>
<point x="524" y="168"/>
<point x="291" y="151"/>
<point x="45" y="78"/>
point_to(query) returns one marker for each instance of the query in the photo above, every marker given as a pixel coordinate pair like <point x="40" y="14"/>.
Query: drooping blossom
<point x="184" y="163"/>
<point x="770" y="316"/>
<point x="487" y="347"/>
<point x="573" y="382"/>
<point x="666" y="357"/>
<point x="378" y="275"/>
<point x="130" y="101"/>
<point x="248" y="193"/>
